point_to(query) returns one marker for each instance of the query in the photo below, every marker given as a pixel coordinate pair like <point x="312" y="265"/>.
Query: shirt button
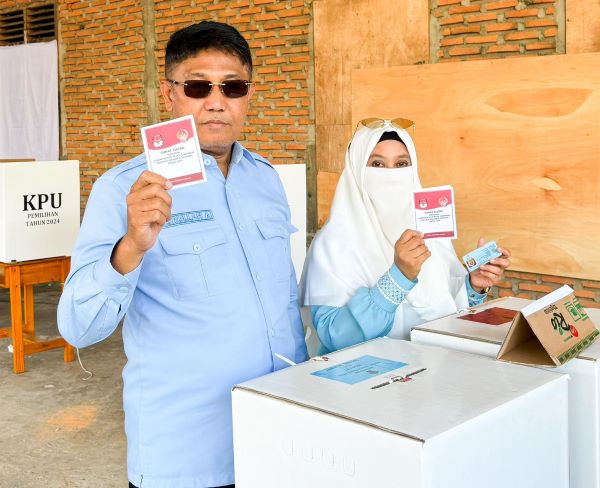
<point x="258" y="277"/>
<point x="241" y="226"/>
<point x="207" y="162"/>
<point x="123" y="289"/>
<point x="272" y="331"/>
<point x="197" y="247"/>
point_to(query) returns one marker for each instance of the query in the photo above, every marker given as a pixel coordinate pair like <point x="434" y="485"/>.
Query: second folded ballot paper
<point x="434" y="212"/>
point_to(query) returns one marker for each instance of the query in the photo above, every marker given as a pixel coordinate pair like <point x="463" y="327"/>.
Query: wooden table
<point x="19" y="278"/>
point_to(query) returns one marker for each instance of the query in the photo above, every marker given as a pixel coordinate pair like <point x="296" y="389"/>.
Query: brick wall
<point x="278" y="32"/>
<point x="471" y="29"/>
<point x="104" y="91"/>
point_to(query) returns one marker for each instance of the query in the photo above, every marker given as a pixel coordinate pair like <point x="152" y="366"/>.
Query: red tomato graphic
<point x="574" y="331"/>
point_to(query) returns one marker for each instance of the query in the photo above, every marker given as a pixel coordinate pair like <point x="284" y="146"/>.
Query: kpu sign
<point x="39" y="209"/>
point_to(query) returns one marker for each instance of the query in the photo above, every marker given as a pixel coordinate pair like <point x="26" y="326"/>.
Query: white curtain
<point x="29" y="107"/>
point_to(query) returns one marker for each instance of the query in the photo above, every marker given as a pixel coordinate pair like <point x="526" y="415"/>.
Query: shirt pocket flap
<point x="275" y="228"/>
<point x="193" y="241"/>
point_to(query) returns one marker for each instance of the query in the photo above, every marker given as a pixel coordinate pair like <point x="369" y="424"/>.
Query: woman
<point x="367" y="274"/>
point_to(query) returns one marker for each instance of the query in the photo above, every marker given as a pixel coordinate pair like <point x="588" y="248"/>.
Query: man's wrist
<point x="125" y="257"/>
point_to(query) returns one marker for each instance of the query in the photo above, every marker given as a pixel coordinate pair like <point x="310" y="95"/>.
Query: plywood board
<point x="352" y="34"/>
<point x="520" y="141"/>
<point x="583" y="26"/>
<point x="326" y="182"/>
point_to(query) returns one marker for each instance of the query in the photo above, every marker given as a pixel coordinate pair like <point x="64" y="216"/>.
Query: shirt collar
<point x="238" y="152"/>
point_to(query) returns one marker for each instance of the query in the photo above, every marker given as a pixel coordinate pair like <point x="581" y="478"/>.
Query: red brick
<point x="481" y="17"/>
<point x="464" y="10"/>
<point x="585" y="294"/>
<point x="448" y="2"/>
<point x="452" y="41"/>
<point x="464" y="51"/>
<point x="591" y="284"/>
<point x="466" y="29"/>
<point x="536" y="287"/>
<point x="520" y="275"/>
<point x="558" y="279"/>
<point x="503" y="26"/>
<point x="534" y="46"/>
<point x="540" y="23"/>
<point x="527" y="12"/>
<point x="481" y="39"/>
<point x="457" y="19"/>
<point x="501" y="4"/>
<point x="552" y="32"/>
<point x="517" y="36"/>
<point x="505" y="293"/>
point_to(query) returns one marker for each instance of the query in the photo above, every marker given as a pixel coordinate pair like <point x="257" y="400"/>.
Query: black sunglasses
<point x="202" y="88"/>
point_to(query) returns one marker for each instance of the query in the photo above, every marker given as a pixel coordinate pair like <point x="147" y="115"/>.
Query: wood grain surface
<point x="519" y="139"/>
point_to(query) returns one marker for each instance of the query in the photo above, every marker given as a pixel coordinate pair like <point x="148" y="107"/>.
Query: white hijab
<point x="352" y="250"/>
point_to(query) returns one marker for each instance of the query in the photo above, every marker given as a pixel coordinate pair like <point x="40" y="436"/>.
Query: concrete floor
<point x="57" y="430"/>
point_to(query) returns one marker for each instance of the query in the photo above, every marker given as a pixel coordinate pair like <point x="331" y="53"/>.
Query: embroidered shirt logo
<point x="190" y="217"/>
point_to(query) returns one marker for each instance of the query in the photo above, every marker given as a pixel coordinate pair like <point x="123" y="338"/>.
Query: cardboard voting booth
<point x="484" y="332"/>
<point x="549" y="331"/>
<point x="39" y="209"/>
<point x="372" y="416"/>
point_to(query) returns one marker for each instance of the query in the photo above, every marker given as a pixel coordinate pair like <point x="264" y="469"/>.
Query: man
<point x="202" y="274"/>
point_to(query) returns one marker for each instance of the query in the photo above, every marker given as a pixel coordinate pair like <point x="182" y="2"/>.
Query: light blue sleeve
<point x="474" y="297"/>
<point x="95" y="296"/>
<point x="369" y="314"/>
<point x="296" y="320"/>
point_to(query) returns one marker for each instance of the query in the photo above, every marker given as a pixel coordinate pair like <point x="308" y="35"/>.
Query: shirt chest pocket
<point x="198" y="261"/>
<point x="276" y="240"/>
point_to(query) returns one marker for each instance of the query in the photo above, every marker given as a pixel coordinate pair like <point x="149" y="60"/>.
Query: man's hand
<point x="410" y="252"/>
<point x="148" y="209"/>
<point x="491" y="273"/>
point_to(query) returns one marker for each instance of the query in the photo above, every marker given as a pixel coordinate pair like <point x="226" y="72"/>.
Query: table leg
<point x="29" y="325"/>
<point x="16" y="313"/>
<point x="69" y="351"/>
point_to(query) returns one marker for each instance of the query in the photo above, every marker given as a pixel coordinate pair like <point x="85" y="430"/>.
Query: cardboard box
<point x="549" y="332"/>
<point x="584" y="388"/>
<point x="466" y="421"/>
<point x="39" y="209"/>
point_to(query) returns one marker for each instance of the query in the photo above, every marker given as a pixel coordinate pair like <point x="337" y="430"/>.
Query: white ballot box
<point x="39" y="209"/>
<point x="584" y="388"/>
<point x="465" y="421"/>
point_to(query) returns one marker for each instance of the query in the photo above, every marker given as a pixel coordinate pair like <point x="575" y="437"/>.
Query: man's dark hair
<point x="188" y="42"/>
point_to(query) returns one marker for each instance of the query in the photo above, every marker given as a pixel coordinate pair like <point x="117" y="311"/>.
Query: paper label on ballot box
<point x="359" y="369"/>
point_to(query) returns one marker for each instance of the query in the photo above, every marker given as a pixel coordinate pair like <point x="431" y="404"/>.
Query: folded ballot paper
<point x="549" y="331"/>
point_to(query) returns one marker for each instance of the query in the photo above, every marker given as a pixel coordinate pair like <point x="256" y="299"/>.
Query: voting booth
<point x="39" y="209"/>
<point x="483" y="333"/>
<point x="389" y="413"/>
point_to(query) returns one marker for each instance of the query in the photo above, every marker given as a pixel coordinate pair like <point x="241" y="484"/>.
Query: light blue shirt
<point x="210" y="305"/>
<point x="370" y="313"/>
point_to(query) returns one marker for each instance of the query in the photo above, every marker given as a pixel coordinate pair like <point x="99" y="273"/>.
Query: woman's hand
<point x="410" y="252"/>
<point x="491" y="273"/>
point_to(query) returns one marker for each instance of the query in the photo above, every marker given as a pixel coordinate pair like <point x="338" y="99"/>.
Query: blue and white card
<point x="359" y="369"/>
<point x="481" y="255"/>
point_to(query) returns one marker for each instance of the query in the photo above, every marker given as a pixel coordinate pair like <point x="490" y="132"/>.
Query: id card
<point x="481" y="255"/>
<point x="173" y="151"/>
<point x="434" y="212"/>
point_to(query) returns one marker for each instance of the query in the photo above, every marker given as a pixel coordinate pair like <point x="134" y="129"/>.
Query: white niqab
<point x="370" y="210"/>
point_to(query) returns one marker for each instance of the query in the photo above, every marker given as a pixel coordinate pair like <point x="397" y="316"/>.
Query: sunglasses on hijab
<point x="377" y="123"/>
